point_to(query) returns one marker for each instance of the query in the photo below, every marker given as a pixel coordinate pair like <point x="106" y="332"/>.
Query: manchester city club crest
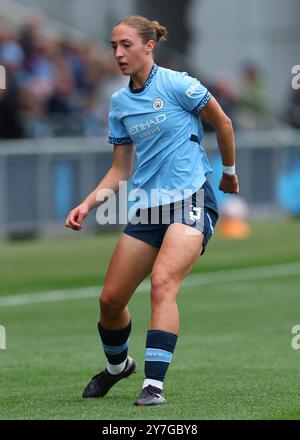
<point x="158" y="104"/>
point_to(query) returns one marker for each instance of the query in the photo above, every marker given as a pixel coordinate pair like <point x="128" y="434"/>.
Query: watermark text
<point x="160" y="206"/>
<point x="296" y="78"/>
<point x="296" y="339"/>
<point x="2" y="78"/>
<point x="2" y="338"/>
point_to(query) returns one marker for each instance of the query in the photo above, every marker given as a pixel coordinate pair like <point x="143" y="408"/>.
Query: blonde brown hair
<point x="147" y="29"/>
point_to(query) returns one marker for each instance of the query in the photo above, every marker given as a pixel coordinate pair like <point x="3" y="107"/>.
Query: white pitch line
<point x="222" y="276"/>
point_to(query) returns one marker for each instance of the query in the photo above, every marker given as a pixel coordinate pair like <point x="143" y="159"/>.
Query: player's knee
<point x="109" y="304"/>
<point x="161" y="284"/>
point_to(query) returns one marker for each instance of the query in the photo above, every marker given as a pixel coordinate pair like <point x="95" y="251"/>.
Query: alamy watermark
<point x="296" y="79"/>
<point x="2" y="338"/>
<point x="160" y="206"/>
<point x="2" y="78"/>
<point x="296" y="339"/>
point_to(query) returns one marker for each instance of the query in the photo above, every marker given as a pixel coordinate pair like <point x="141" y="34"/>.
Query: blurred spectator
<point x="32" y="25"/>
<point x="253" y="99"/>
<point x="10" y="117"/>
<point x="33" y="113"/>
<point x="63" y="99"/>
<point x="53" y="86"/>
<point x="12" y="58"/>
<point x="92" y="120"/>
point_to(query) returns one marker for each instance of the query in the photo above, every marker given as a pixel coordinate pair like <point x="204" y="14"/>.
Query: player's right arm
<point x="120" y="170"/>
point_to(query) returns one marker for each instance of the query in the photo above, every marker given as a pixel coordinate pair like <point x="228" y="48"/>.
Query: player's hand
<point x="76" y="217"/>
<point x="229" y="184"/>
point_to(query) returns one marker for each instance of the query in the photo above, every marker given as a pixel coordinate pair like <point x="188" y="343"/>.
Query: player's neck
<point x="138" y="79"/>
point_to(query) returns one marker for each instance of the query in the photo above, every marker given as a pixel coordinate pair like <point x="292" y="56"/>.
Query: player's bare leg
<point x="178" y="253"/>
<point x="131" y="262"/>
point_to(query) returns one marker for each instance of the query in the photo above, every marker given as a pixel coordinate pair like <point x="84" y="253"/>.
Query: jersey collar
<point x="147" y="82"/>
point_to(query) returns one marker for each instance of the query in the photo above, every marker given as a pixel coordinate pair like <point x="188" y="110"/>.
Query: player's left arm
<point x="213" y="114"/>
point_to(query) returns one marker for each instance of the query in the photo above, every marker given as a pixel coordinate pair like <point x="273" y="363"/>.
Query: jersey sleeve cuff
<point x="204" y="101"/>
<point x="114" y="140"/>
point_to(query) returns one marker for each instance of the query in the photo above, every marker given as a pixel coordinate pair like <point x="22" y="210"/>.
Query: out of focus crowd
<point x="56" y="87"/>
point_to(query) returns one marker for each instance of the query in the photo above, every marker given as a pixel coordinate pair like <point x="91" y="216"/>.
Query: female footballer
<point x="159" y="113"/>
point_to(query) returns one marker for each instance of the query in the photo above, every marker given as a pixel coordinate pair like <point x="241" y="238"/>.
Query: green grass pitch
<point x="233" y="359"/>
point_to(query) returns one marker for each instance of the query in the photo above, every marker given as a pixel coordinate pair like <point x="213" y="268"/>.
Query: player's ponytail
<point x="147" y="29"/>
<point x="160" y="31"/>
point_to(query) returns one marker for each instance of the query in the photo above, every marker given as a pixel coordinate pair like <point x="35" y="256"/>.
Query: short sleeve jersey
<point x="162" y="121"/>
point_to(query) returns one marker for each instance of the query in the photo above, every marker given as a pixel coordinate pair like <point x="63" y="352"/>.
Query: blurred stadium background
<point x="242" y="299"/>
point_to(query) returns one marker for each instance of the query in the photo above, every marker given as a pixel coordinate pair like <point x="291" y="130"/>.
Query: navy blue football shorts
<point x="198" y="211"/>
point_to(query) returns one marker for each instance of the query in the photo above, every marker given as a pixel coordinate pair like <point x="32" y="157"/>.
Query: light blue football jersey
<point x="162" y="121"/>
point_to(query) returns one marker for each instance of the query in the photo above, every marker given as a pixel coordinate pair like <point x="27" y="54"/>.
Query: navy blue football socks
<point x="115" y="344"/>
<point x="160" y="346"/>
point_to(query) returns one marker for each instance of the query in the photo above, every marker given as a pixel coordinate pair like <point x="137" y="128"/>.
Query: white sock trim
<point x="154" y="383"/>
<point x="116" y="369"/>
